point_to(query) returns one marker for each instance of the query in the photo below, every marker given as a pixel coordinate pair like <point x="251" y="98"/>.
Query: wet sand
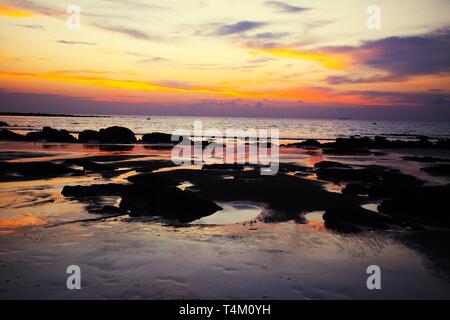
<point x="236" y="253"/>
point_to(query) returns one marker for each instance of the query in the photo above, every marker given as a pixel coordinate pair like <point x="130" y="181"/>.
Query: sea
<point x="289" y="129"/>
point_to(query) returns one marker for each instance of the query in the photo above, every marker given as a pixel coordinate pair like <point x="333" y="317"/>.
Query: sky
<point x="253" y="58"/>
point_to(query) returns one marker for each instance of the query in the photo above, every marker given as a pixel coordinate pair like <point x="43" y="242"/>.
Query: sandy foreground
<point x="235" y="253"/>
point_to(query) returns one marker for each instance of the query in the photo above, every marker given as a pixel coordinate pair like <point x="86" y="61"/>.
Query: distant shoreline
<point x="30" y="114"/>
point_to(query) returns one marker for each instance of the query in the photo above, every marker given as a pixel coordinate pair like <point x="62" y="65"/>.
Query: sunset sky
<point x="227" y="57"/>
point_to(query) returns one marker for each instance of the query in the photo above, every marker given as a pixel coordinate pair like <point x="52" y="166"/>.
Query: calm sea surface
<point x="290" y="129"/>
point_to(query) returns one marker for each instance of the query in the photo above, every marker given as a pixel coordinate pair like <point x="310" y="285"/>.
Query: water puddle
<point x="315" y="217"/>
<point x="235" y="212"/>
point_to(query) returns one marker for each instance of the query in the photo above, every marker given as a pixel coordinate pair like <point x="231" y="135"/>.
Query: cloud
<point x="285" y="8"/>
<point x="76" y="42"/>
<point x="238" y="27"/>
<point x="32" y="26"/>
<point x="399" y="58"/>
<point x="34" y="8"/>
<point x="134" y="33"/>
<point x="424" y="99"/>
<point x="328" y="60"/>
<point x="12" y="12"/>
<point x="137" y="5"/>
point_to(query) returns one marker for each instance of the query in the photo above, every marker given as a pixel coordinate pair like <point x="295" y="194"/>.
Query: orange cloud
<point x="12" y="12"/>
<point x="331" y="61"/>
<point x="306" y="95"/>
<point x="126" y="84"/>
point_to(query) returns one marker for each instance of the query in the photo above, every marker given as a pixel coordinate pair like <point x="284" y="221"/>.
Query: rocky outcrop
<point x="11" y="136"/>
<point x="161" y="138"/>
<point x="307" y="144"/>
<point x="356" y="218"/>
<point x="89" y="136"/>
<point x="116" y="135"/>
<point x="51" y="135"/>
<point x="428" y="204"/>
<point x="330" y="164"/>
<point x="442" y="170"/>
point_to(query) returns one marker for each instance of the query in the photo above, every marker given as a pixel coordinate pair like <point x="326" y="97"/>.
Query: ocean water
<point x="290" y="129"/>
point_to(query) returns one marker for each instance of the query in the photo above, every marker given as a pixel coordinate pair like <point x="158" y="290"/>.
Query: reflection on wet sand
<point x="296" y="257"/>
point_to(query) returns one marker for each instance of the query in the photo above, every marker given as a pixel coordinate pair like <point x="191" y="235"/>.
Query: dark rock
<point x="148" y="195"/>
<point x="443" y="144"/>
<point x="151" y="180"/>
<point x="330" y="164"/>
<point x="355" y="218"/>
<point x="89" y="136"/>
<point x="287" y="195"/>
<point x="345" y="174"/>
<point x="365" y="143"/>
<point x="354" y="189"/>
<point x="428" y="204"/>
<point x="223" y="166"/>
<point x="399" y="179"/>
<point x="51" y="135"/>
<point x="310" y="143"/>
<point x="442" y="170"/>
<point x="3" y="124"/>
<point x="12" y="136"/>
<point x="167" y="202"/>
<point x="354" y="142"/>
<point x="159" y="137"/>
<point x="292" y="167"/>
<point x="116" y="135"/>
<point x="95" y="190"/>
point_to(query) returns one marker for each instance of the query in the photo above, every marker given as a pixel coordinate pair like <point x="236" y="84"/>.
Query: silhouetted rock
<point x="148" y="195"/>
<point x="95" y="190"/>
<point x="51" y="135"/>
<point x="330" y="164"/>
<point x="167" y="202"/>
<point x="159" y="137"/>
<point x="9" y="135"/>
<point x="399" y="179"/>
<point x="442" y="170"/>
<point x="354" y="142"/>
<point x="428" y="204"/>
<point x="89" y="136"/>
<point x="116" y="135"/>
<point x="345" y="174"/>
<point x="364" y="143"/>
<point x="310" y="143"/>
<point x="443" y="144"/>
<point x="354" y="189"/>
<point x="3" y="124"/>
<point x="150" y="179"/>
<point x="223" y="166"/>
<point x="354" y="218"/>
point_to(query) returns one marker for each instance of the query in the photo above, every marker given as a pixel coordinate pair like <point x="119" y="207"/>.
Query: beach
<point x="141" y="227"/>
